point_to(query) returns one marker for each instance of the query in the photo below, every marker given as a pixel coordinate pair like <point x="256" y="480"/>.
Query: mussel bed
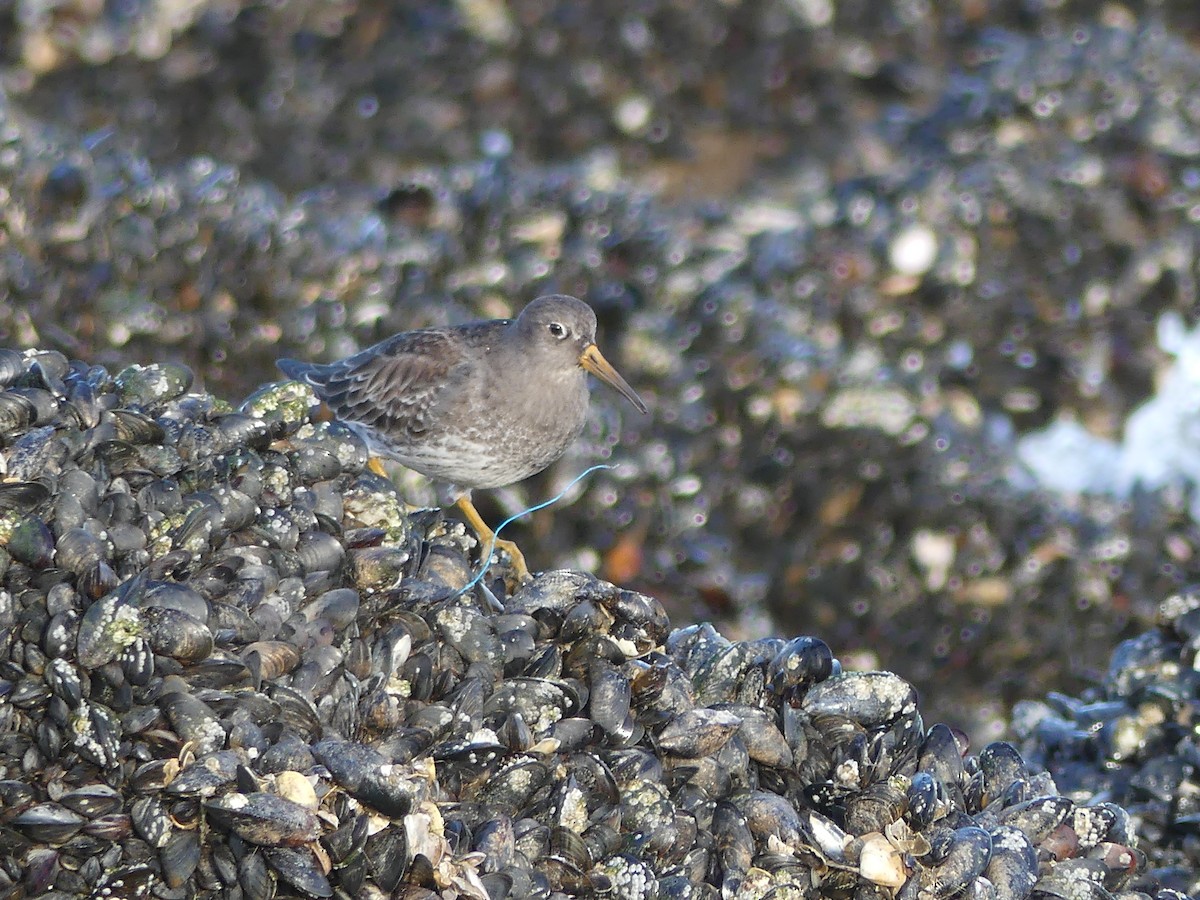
<point x="233" y="663"/>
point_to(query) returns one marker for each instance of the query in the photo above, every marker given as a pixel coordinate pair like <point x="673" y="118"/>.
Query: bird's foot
<point x="519" y="569"/>
<point x="490" y="543"/>
<point x="376" y="466"/>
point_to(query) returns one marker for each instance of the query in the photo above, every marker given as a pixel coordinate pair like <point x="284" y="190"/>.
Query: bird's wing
<point x="394" y="386"/>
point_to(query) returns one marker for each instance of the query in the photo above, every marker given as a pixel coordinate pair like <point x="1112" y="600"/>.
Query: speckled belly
<point x="468" y="460"/>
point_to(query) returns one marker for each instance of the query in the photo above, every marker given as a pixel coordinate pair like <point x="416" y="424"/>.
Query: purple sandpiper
<point x="481" y="405"/>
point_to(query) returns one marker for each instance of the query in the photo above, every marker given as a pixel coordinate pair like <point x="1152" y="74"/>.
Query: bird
<point x="474" y="406"/>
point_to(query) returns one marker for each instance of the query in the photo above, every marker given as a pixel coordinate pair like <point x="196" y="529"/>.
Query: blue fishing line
<point x="485" y="562"/>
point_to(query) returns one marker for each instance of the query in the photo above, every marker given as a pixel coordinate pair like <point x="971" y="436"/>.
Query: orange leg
<point x="488" y="539"/>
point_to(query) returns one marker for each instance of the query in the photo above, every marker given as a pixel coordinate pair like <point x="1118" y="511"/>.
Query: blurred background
<point x="908" y="286"/>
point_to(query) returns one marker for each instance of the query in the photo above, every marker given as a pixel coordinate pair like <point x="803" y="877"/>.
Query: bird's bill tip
<point x="593" y="361"/>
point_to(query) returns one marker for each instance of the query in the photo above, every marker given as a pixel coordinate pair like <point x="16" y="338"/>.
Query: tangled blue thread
<point x="487" y="556"/>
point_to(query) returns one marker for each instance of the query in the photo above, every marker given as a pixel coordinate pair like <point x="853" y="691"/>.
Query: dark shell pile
<point x="1135" y="738"/>
<point x="911" y="232"/>
<point x="234" y="665"/>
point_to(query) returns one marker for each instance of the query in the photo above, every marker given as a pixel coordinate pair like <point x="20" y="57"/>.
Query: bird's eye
<point x="559" y="331"/>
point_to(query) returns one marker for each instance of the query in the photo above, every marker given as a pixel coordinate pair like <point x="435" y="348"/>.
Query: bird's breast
<point x="498" y="437"/>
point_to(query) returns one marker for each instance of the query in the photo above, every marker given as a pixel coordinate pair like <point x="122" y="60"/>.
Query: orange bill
<point x="592" y="360"/>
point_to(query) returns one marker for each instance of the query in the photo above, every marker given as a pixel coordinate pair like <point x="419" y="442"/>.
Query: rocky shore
<point x="857" y="258"/>
<point x="236" y="664"/>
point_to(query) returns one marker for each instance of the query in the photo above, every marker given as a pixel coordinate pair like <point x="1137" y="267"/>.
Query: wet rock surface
<point x="218" y="679"/>
<point x="848" y="253"/>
